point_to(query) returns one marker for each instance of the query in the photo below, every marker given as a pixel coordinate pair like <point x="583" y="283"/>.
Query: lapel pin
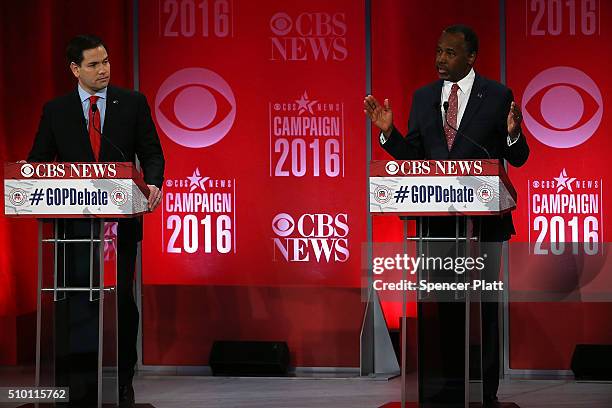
<point x="480" y="95"/>
<point x="116" y="102"/>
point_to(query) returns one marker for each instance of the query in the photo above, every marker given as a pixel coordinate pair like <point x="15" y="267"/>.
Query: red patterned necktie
<point x="94" y="127"/>
<point x="451" y="117"/>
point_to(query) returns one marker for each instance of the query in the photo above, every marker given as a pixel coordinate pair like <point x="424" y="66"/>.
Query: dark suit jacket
<point x="484" y="121"/>
<point x="62" y="136"/>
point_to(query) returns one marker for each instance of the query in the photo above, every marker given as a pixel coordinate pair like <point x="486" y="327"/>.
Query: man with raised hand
<point x="462" y="115"/>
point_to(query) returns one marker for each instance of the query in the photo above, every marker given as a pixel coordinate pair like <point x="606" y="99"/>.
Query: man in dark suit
<point x="461" y="116"/>
<point x="100" y="122"/>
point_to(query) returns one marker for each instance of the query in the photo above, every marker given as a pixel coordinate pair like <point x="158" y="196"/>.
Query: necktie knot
<point x="93" y="99"/>
<point x="454" y="88"/>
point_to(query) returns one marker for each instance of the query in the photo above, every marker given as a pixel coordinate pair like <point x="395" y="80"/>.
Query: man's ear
<point x="472" y="58"/>
<point x="75" y="69"/>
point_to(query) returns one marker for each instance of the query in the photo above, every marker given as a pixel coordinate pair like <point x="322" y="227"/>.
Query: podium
<point x="77" y="206"/>
<point x="442" y="201"/>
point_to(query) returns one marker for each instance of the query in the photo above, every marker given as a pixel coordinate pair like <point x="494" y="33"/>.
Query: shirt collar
<point x="84" y="95"/>
<point x="465" y="83"/>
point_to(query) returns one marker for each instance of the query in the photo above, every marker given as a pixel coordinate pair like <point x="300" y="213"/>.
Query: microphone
<point x="445" y="106"/>
<point x="94" y="109"/>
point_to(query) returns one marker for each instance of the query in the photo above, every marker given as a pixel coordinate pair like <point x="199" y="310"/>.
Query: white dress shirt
<point x="101" y="103"/>
<point x="463" y="94"/>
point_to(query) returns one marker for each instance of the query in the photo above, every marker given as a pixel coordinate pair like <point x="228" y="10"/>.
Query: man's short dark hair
<point x="470" y="37"/>
<point x="80" y="43"/>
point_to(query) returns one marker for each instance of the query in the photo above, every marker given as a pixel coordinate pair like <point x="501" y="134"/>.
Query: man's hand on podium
<point x="381" y="116"/>
<point x="154" y="197"/>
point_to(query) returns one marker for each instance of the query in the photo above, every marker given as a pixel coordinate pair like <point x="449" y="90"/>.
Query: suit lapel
<point x="437" y="95"/>
<point x="110" y="116"/>
<point x="440" y="150"/>
<point x="477" y="96"/>
<point x="76" y="114"/>
<point x="110" y="113"/>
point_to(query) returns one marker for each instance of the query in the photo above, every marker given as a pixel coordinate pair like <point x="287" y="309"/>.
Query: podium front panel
<point x="77" y="316"/>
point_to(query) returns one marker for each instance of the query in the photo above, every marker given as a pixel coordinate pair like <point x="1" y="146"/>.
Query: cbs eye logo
<point x="202" y="105"/>
<point x="27" y="170"/>
<point x="283" y="225"/>
<point x="562" y="107"/>
<point x="392" y="168"/>
<point x="281" y="24"/>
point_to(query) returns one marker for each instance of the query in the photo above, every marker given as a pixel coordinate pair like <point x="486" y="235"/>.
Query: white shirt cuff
<point x="513" y="141"/>
<point x="382" y="138"/>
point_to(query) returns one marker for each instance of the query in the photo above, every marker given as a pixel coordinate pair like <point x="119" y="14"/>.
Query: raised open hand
<point x="381" y="116"/>
<point x="514" y="120"/>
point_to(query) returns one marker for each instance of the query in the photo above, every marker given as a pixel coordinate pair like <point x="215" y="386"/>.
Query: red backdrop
<point x="256" y="107"/>
<point x="560" y="78"/>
